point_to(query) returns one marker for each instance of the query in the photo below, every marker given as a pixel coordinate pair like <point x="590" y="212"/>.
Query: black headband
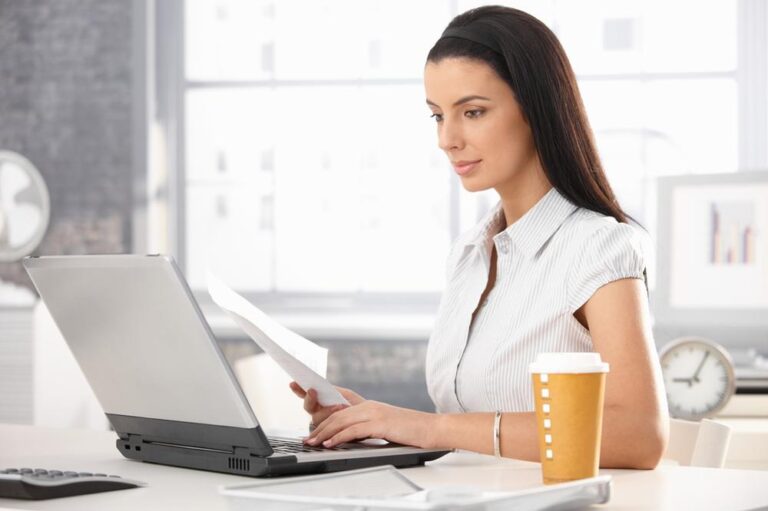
<point x="473" y="34"/>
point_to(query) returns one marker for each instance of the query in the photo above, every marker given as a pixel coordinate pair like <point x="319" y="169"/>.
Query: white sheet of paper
<point x="303" y="360"/>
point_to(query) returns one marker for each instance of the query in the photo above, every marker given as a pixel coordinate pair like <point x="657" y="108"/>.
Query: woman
<point x="554" y="267"/>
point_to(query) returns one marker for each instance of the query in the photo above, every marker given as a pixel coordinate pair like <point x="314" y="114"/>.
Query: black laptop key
<point x="285" y="444"/>
<point x="288" y="446"/>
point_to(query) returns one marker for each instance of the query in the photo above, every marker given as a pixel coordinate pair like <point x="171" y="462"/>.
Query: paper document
<point x="387" y="489"/>
<point x="303" y="360"/>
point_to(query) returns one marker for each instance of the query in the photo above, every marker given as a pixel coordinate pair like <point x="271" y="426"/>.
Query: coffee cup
<point x="569" y="390"/>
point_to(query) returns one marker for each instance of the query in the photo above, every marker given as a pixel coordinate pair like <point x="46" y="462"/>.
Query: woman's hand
<point x="319" y="412"/>
<point x="371" y="419"/>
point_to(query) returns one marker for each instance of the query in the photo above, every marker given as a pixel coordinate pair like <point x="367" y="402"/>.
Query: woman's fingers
<point x="350" y="395"/>
<point x="334" y="424"/>
<point x="318" y="412"/>
<point x="322" y="414"/>
<point x="310" y="401"/>
<point x="350" y="434"/>
<point x="316" y="433"/>
<point x="296" y="388"/>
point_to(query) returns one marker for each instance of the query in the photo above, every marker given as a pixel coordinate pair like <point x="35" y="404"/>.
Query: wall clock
<point x="698" y="376"/>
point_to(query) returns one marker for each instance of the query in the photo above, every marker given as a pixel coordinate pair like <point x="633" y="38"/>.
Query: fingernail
<point x="311" y="441"/>
<point x="327" y="443"/>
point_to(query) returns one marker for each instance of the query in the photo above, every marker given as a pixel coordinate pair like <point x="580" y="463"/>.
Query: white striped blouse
<point x="550" y="262"/>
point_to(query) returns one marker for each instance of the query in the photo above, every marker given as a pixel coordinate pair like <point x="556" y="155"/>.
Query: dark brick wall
<point x="65" y="103"/>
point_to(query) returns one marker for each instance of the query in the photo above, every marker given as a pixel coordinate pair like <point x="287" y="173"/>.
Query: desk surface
<point x="667" y="487"/>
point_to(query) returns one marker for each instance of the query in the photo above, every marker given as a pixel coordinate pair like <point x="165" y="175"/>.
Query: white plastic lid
<point x="569" y="363"/>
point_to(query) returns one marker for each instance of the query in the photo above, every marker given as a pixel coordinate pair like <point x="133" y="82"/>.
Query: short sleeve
<point x="613" y="252"/>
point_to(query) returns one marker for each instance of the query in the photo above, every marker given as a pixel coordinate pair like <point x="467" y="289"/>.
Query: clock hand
<point x="698" y="369"/>
<point x="689" y="381"/>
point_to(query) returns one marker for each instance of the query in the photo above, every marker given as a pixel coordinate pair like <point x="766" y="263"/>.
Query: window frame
<point x="165" y="183"/>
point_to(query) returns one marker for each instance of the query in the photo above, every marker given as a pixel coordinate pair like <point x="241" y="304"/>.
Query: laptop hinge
<point x="187" y="435"/>
<point x="244" y="452"/>
<point x="135" y="443"/>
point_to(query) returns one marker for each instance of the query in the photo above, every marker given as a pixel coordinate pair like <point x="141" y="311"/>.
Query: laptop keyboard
<point x="292" y="445"/>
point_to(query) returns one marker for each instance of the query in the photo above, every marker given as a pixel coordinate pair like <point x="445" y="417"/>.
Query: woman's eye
<point x="437" y="117"/>
<point x="473" y="113"/>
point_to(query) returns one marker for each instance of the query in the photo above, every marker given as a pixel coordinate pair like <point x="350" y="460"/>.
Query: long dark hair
<point x="533" y="63"/>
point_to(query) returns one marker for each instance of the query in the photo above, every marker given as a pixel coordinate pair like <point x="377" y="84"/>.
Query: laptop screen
<point x="140" y="339"/>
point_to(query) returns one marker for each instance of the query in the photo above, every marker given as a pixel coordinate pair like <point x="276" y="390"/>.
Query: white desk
<point x="668" y="487"/>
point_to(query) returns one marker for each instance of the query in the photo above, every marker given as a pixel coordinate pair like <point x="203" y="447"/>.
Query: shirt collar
<point x="531" y="231"/>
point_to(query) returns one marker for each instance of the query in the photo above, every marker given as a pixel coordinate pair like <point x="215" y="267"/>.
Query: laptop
<point x="150" y="357"/>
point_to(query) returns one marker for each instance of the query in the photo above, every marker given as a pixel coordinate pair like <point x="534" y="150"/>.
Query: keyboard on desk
<point x="38" y="483"/>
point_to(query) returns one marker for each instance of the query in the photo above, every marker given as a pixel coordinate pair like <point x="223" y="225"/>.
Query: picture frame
<point x="712" y="250"/>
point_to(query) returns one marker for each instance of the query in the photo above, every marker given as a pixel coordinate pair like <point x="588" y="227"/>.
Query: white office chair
<point x="265" y="384"/>
<point x="698" y="444"/>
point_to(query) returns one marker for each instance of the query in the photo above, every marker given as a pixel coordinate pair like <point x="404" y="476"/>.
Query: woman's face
<point x="479" y="124"/>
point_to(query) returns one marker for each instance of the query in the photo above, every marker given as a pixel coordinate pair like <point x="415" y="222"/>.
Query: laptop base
<point x="241" y="462"/>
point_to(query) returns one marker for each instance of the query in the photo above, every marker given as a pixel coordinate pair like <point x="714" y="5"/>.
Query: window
<point x="311" y="161"/>
<point x="308" y="170"/>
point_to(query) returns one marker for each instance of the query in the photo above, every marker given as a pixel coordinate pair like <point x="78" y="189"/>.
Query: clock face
<point x="698" y="376"/>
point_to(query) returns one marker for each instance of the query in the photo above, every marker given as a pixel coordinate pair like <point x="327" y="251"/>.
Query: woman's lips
<point x="464" y="167"/>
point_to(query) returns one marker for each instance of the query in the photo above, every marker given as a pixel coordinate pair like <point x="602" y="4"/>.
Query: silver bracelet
<point x="497" y="435"/>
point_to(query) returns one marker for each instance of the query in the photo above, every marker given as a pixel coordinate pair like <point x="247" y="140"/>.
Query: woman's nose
<point x="449" y="136"/>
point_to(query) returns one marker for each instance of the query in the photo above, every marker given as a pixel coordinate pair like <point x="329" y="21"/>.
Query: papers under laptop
<point x="153" y="363"/>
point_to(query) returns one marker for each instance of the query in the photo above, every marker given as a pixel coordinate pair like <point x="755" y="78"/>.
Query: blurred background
<point x="285" y="144"/>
